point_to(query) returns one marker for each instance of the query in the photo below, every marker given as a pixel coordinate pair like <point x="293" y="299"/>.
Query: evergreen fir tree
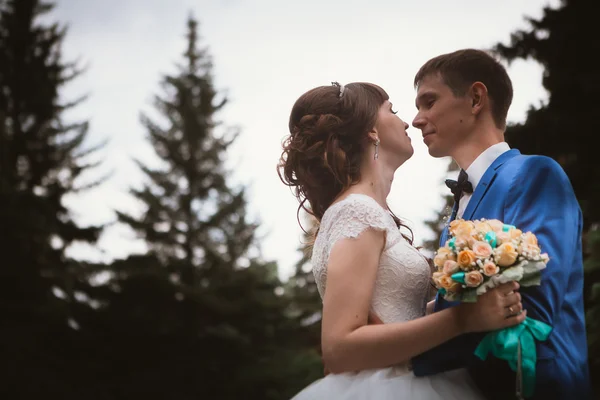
<point x="437" y="224"/>
<point x="42" y="157"/>
<point x="230" y="313"/>
<point x="306" y="305"/>
<point x="194" y="221"/>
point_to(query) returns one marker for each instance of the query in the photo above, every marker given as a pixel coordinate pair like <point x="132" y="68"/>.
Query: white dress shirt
<point x="477" y="169"/>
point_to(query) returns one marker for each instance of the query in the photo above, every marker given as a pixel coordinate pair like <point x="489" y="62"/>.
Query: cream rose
<point x="473" y="278"/>
<point x="471" y="241"/>
<point x="442" y="255"/>
<point x="482" y="249"/>
<point x="502" y="237"/>
<point x="482" y="227"/>
<point x="496" y="225"/>
<point x="530" y="250"/>
<point x="450" y="267"/>
<point x="506" y="254"/>
<point x="466" y="258"/>
<point x="462" y="228"/>
<point x="461" y="243"/>
<point x="490" y="269"/>
<point x="530" y="239"/>
<point x="454" y="224"/>
<point x="435" y="277"/>
<point x="515" y="234"/>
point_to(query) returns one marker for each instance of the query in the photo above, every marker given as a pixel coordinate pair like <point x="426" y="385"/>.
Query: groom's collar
<point x="481" y="164"/>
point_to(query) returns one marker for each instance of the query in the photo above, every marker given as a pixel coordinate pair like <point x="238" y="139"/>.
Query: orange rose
<point x="447" y="283"/>
<point x="473" y="278"/>
<point x="466" y="259"/>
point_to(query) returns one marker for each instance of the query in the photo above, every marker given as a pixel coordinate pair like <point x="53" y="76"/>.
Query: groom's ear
<point x="479" y="97"/>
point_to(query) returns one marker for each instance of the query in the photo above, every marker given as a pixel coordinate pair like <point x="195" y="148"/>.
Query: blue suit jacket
<point x="534" y="194"/>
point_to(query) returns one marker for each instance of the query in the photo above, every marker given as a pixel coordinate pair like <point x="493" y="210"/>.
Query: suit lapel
<point x="486" y="182"/>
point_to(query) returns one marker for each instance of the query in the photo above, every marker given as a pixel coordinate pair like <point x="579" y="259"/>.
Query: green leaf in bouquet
<point x="469" y="296"/>
<point x="533" y="279"/>
<point x="452" y="296"/>
<point x="512" y="273"/>
<point x="532" y="267"/>
<point x="531" y="273"/>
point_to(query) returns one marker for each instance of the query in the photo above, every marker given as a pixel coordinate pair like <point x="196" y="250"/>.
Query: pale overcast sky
<point x="266" y="53"/>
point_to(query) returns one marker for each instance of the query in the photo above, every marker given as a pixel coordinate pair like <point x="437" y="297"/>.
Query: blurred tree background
<point x="201" y="314"/>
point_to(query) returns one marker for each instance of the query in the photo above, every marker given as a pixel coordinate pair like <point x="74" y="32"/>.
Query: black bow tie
<point x="461" y="186"/>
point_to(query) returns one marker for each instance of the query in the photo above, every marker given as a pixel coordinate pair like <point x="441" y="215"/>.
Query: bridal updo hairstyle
<point x="329" y="128"/>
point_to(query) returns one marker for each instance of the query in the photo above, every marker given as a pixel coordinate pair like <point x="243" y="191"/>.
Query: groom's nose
<point x="419" y="122"/>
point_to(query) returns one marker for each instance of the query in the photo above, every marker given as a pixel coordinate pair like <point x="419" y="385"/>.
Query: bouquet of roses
<point x="480" y="255"/>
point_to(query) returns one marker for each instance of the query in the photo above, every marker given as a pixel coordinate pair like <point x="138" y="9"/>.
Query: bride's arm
<point x="349" y="344"/>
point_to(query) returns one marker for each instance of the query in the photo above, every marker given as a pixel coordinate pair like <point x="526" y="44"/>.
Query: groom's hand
<point x="372" y="320"/>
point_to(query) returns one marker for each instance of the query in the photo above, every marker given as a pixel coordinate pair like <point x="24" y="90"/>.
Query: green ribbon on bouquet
<point x="517" y="346"/>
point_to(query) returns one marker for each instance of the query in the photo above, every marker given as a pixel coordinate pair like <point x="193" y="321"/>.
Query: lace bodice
<point x="402" y="281"/>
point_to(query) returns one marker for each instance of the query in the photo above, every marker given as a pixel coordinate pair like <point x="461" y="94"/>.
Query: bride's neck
<point x="376" y="181"/>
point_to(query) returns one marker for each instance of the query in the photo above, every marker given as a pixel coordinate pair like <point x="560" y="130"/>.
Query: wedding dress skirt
<point x="392" y="384"/>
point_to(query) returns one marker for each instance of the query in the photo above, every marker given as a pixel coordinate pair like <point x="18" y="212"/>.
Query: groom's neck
<point x="472" y="147"/>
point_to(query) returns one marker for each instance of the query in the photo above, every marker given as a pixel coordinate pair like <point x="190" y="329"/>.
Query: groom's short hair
<point x="461" y="68"/>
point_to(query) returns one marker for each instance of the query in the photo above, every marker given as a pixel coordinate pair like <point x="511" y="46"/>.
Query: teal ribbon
<point x="504" y="344"/>
<point x="507" y="227"/>
<point x="491" y="238"/>
<point x="458" y="277"/>
<point x="452" y="243"/>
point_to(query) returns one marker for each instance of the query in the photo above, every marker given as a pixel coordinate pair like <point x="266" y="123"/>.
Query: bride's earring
<point x="376" y="150"/>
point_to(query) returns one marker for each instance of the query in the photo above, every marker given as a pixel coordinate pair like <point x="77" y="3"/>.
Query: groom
<point x="462" y="100"/>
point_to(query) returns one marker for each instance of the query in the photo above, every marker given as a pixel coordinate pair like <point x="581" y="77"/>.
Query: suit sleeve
<point x="540" y="200"/>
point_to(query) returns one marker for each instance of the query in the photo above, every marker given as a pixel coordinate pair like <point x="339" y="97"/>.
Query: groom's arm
<point x="541" y="200"/>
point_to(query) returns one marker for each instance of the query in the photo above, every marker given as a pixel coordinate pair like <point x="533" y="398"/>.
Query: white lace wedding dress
<point x="400" y="295"/>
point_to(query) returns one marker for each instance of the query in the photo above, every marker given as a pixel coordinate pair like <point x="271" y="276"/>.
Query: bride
<point x="344" y="146"/>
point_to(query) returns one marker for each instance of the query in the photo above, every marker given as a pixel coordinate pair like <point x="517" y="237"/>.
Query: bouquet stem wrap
<point x="517" y="346"/>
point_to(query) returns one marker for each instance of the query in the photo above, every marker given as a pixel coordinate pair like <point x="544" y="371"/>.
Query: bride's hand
<point x="498" y="308"/>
